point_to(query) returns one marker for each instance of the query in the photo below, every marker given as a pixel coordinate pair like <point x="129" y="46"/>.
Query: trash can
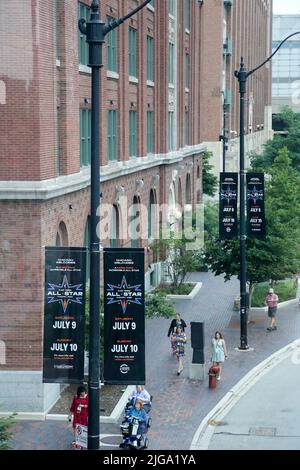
<point x="213" y="373"/>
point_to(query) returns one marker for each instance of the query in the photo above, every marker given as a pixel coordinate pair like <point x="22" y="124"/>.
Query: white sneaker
<point x="134" y="443"/>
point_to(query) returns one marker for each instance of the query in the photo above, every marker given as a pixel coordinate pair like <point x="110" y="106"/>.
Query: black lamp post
<point x="95" y="31"/>
<point x="242" y="75"/>
<point x="224" y="137"/>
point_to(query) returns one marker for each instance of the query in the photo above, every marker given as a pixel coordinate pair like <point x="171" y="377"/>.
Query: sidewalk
<point x="267" y="417"/>
<point x="180" y="405"/>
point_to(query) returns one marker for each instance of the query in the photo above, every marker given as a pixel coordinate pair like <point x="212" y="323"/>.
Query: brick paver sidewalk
<point x="180" y="404"/>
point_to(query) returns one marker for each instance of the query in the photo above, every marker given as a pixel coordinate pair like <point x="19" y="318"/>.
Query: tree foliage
<point x="5" y="433"/>
<point x="278" y="255"/>
<point x="209" y="180"/>
<point x="157" y="305"/>
<point x="290" y="139"/>
<point x="180" y="260"/>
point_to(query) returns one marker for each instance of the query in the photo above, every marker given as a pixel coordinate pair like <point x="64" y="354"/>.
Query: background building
<point x="168" y="74"/>
<point x="150" y="151"/>
<point x="239" y="28"/>
<point x="286" y="63"/>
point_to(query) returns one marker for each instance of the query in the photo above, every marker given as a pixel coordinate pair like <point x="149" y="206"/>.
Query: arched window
<point x="198" y="184"/>
<point x="188" y="194"/>
<point x="171" y="207"/>
<point x="114" y="234"/>
<point x="135" y="222"/>
<point x="151" y="216"/>
<point x="62" y="235"/>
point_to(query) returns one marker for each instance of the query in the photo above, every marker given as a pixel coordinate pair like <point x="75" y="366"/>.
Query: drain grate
<point x="266" y="432"/>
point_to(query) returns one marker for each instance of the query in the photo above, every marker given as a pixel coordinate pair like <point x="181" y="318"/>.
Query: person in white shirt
<point x="141" y="393"/>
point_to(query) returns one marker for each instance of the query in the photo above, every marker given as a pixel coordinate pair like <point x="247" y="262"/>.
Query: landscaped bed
<point x="183" y="289"/>
<point x="109" y="397"/>
<point x="284" y="289"/>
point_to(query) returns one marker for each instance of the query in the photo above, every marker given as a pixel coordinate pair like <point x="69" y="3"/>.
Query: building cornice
<point x="62" y="185"/>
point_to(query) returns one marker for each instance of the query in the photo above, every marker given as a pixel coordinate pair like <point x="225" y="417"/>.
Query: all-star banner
<point x="64" y="315"/>
<point x="256" y="224"/>
<point x="228" y="223"/>
<point x="124" y="316"/>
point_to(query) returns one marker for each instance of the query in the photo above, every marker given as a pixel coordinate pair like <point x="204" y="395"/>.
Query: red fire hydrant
<point x="213" y="373"/>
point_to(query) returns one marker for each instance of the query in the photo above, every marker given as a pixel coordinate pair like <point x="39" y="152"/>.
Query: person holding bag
<point x="179" y="340"/>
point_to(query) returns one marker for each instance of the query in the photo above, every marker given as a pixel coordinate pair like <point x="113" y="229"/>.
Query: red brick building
<point x="161" y="102"/>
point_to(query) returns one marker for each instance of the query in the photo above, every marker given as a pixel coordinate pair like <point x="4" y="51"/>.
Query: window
<point x="135" y="223"/>
<point x="171" y="63"/>
<point x="83" y="48"/>
<point x="132" y="134"/>
<point x="62" y="238"/>
<point x="114" y="228"/>
<point x="186" y="128"/>
<point x="187" y="14"/>
<point x="112" y="135"/>
<point x="150" y="70"/>
<point x="112" y="51"/>
<point x="151" y="216"/>
<point x="171" y="131"/>
<point x="57" y="28"/>
<point x="172" y="7"/>
<point x="85" y="137"/>
<point x="132" y="53"/>
<point x="187" y="67"/>
<point x="149" y="131"/>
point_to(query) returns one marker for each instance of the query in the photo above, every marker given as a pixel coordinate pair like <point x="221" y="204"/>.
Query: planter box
<point x="190" y="296"/>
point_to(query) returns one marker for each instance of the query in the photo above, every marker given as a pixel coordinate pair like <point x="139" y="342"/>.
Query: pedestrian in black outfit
<point x="177" y="322"/>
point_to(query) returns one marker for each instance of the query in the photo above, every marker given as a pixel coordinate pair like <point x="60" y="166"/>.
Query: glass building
<point x="286" y="63"/>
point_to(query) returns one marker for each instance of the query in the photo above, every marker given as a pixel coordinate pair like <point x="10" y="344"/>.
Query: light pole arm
<point x="115" y="23"/>
<point x="272" y="55"/>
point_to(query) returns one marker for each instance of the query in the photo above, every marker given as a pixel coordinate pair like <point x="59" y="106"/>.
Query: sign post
<point x="64" y="315"/>
<point x="124" y="316"/>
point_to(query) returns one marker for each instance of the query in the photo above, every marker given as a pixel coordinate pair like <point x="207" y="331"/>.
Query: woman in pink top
<point x="271" y="302"/>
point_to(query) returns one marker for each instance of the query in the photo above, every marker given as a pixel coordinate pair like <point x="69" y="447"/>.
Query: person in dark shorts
<point x="272" y="302"/>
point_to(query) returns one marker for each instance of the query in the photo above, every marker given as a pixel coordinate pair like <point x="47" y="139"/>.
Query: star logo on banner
<point x="124" y="294"/>
<point x="255" y="194"/>
<point x="65" y="293"/>
<point x="229" y="194"/>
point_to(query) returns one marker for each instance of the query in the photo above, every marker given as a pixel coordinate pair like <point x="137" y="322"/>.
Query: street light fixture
<point x="242" y="75"/>
<point x="96" y="30"/>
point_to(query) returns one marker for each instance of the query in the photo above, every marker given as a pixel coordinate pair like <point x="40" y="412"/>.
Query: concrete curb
<point x="205" y="431"/>
<point x="112" y="419"/>
<point x="190" y="296"/>
<point x="280" y="305"/>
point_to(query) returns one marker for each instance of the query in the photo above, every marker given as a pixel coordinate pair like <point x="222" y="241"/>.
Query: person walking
<point x="297" y="285"/>
<point x="79" y="409"/>
<point x="219" y="352"/>
<point x="271" y="302"/>
<point x="175" y="323"/>
<point x="179" y="339"/>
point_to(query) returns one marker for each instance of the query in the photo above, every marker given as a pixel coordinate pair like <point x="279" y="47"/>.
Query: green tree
<point x="209" y="180"/>
<point x="157" y="305"/>
<point x="289" y="139"/>
<point x="278" y="255"/>
<point x="180" y="260"/>
<point x="5" y="433"/>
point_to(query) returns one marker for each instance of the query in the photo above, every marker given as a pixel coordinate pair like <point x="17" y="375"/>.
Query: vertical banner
<point x="124" y="316"/>
<point x="256" y="225"/>
<point x="228" y="223"/>
<point x="65" y="278"/>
